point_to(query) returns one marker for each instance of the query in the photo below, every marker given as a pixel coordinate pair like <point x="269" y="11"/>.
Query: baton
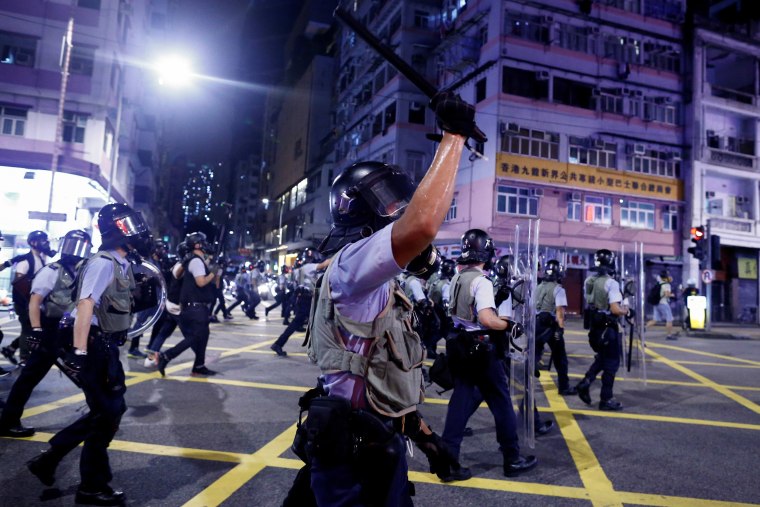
<point x="630" y="346"/>
<point x="404" y="68"/>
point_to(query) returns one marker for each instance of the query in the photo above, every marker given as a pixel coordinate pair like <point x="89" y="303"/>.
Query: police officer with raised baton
<point x="603" y="308"/>
<point x="102" y="318"/>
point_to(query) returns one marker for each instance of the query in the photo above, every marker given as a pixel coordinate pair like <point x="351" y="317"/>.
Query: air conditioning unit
<point x="575" y="196"/>
<point x="637" y="93"/>
<point x="542" y="75"/>
<point x="639" y="149"/>
<point x="624" y="91"/>
<point x="663" y="100"/>
<point x="599" y="143"/>
<point x="592" y="30"/>
<point x="710" y="133"/>
<point x="513" y="127"/>
<point x="675" y="156"/>
<point x="502" y="127"/>
<point x="537" y="192"/>
<point x="596" y="92"/>
<point x="672" y="208"/>
<point x="547" y="19"/>
<point x="709" y="194"/>
<point x="740" y="199"/>
<point x="416" y="106"/>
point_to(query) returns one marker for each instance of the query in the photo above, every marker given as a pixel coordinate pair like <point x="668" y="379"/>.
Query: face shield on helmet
<point x="553" y="270"/>
<point x="426" y="263"/>
<point x="76" y="244"/>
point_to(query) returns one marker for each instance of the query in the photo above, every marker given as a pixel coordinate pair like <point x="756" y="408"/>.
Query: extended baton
<point x="404" y="68"/>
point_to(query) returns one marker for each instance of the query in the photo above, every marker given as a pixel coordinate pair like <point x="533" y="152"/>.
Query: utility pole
<point x="708" y="289"/>
<point x="65" y="62"/>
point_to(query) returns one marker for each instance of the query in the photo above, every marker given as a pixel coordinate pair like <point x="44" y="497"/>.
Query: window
<point x="533" y="143"/>
<point x="73" y="127"/>
<point x="82" y="60"/>
<point x="574" y="38"/>
<point x="421" y="19"/>
<point x="608" y="100"/>
<point x="12" y="120"/>
<point x="89" y="4"/>
<point x="17" y="49"/>
<point x="480" y="90"/>
<point x="416" y="112"/>
<point x="527" y="27"/>
<point x="516" y="201"/>
<point x="452" y="213"/>
<point x="483" y="35"/>
<point x="592" y="152"/>
<point x="573" y="93"/>
<point x="659" y="163"/>
<point x="597" y="210"/>
<point x="415" y="164"/>
<point x="670" y="220"/>
<point x="389" y="116"/>
<point x="574" y="208"/>
<point x="622" y="49"/>
<point x="524" y="83"/>
<point x="300" y="192"/>
<point x="639" y="215"/>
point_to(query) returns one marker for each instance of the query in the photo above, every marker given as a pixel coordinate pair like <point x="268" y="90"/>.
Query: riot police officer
<point x="102" y="317"/>
<point x="196" y="296"/>
<point x="305" y="277"/>
<point x="439" y="295"/>
<point x="477" y="361"/>
<point x="51" y="297"/>
<point x="27" y="266"/>
<point x="551" y="301"/>
<point x="415" y="287"/>
<point x="359" y="308"/>
<point x="603" y="307"/>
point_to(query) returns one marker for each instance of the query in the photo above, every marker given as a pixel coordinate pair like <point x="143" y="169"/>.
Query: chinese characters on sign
<point x="587" y="177"/>
<point x="747" y="268"/>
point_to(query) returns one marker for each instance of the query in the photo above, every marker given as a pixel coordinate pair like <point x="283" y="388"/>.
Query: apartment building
<point x="108" y="130"/>
<point x="582" y="104"/>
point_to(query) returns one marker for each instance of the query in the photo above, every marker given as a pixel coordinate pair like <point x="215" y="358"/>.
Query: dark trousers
<point x="104" y="388"/>
<point x="607" y="361"/>
<point x="360" y="484"/>
<point x="490" y="383"/>
<point x="545" y="336"/>
<point x="303" y="305"/>
<point x="278" y="299"/>
<point x="240" y="298"/>
<point x="37" y="366"/>
<point x="193" y="322"/>
<point x="168" y="323"/>
<point x="21" y="308"/>
<point x="221" y="303"/>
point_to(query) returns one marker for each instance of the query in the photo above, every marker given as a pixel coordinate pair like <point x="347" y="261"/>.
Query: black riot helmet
<point x="604" y="261"/>
<point x="477" y="247"/>
<point x="39" y="241"/>
<point x="159" y="249"/>
<point x="363" y="199"/>
<point x="426" y="263"/>
<point x="553" y="271"/>
<point x="503" y="268"/>
<point x="182" y="251"/>
<point x="261" y="265"/>
<point x="121" y="226"/>
<point x="197" y="238"/>
<point x="76" y="245"/>
<point x="447" y="269"/>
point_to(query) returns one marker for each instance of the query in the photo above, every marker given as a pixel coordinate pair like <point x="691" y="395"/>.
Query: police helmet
<point x="197" y="238"/>
<point x="553" y="271"/>
<point x="261" y="266"/>
<point x="159" y="249"/>
<point x="121" y="226"/>
<point x="182" y="250"/>
<point x="604" y="260"/>
<point x="76" y="244"/>
<point x="39" y="241"/>
<point x="503" y="268"/>
<point x="363" y="199"/>
<point x="477" y="247"/>
<point x="426" y="263"/>
<point x="448" y="268"/>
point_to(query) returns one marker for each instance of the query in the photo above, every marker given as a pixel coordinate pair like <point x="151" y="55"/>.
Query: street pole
<point x="116" y="143"/>
<point x="279" y="234"/>
<point x="708" y="289"/>
<point x="59" y="122"/>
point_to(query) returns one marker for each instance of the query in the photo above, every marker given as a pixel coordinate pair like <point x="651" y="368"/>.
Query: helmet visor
<point x="76" y="247"/>
<point x="388" y="194"/>
<point x="131" y="225"/>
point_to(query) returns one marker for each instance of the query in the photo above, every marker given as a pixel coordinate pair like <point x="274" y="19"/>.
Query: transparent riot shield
<point x="631" y="269"/>
<point x="521" y="352"/>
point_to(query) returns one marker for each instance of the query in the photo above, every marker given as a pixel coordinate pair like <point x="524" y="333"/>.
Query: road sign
<point x="50" y="217"/>
<point x="708" y="275"/>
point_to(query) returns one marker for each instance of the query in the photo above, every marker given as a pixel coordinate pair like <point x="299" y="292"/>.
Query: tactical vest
<point x="462" y="303"/>
<point x="392" y="367"/>
<point x="190" y="292"/>
<point x="596" y="295"/>
<point x="114" y="313"/>
<point x="545" y="301"/>
<point x="60" y="300"/>
<point x="436" y="291"/>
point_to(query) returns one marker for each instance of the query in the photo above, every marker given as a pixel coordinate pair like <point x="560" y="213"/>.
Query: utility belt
<point x="303" y="292"/>
<point x="469" y="352"/>
<point x="603" y="328"/>
<point x="546" y="320"/>
<point x="194" y="304"/>
<point x="335" y="433"/>
<point x="118" y="338"/>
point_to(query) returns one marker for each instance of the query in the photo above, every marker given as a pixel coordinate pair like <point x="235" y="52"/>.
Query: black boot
<point x="107" y="496"/>
<point x="518" y="465"/>
<point x="610" y="404"/>
<point x="43" y="467"/>
<point x="583" y="391"/>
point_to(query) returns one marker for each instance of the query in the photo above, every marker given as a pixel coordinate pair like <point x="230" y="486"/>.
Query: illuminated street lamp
<point x="173" y="70"/>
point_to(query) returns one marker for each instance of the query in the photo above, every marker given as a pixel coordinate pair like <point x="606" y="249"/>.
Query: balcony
<point x="741" y="226"/>
<point x="732" y="159"/>
<point x="732" y="95"/>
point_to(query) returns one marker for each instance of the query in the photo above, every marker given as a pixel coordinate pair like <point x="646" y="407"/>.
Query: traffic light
<point x="699" y="251"/>
<point x="715" y="251"/>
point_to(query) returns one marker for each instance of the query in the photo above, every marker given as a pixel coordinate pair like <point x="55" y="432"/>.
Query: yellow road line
<point x="700" y="353"/>
<point x="224" y="487"/>
<point x="597" y="484"/>
<point x="663" y="382"/>
<point x="241" y="383"/>
<point x="700" y="378"/>
<point x="655" y="500"/>
<point x="691" y="363"/>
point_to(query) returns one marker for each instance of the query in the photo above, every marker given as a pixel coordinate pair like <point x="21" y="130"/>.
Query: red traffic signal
<point x="698" y="233"/>
<point x="698" y="238"/>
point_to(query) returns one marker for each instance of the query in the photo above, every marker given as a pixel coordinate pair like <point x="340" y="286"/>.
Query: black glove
<point x="631" y="314"/>
<point x="437" y="452"/>
<point x="514" y="328"/>
<point x="73" y="366"/>
<point x="559" y="334"/>
<point x="34" y="340"/>
<point x="453" y="114"/>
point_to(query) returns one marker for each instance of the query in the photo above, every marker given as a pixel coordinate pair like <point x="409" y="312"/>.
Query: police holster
<point x="467" y="353"/>
<point x="598" y="335"/>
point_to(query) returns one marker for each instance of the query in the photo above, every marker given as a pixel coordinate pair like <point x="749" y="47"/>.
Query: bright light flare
<point x="174" y="71"/>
